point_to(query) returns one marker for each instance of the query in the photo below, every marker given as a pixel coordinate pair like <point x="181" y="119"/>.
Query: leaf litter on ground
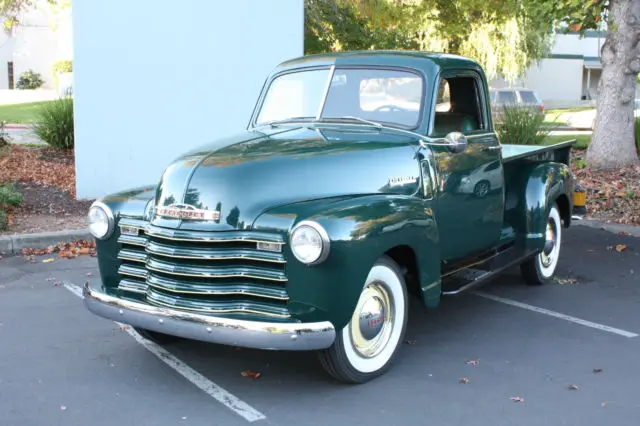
<point x="70" y="250"/>
<point x="610" y="195"/>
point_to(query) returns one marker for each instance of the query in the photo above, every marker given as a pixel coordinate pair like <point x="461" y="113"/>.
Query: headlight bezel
<point x="324" y="238"/>
<point x="110" y="219"/>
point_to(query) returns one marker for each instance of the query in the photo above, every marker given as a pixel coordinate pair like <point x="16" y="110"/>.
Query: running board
<point x="471" y="277"/>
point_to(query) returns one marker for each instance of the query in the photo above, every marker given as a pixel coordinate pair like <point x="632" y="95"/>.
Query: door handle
<point x="492" y="148"/>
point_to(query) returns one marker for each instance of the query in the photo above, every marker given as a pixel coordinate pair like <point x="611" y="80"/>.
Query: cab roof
<point x="402" y="58"/>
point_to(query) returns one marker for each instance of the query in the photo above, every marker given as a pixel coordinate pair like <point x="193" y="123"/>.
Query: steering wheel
<point x="390" y="108"/>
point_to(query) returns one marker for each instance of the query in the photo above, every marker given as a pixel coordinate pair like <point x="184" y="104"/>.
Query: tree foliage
<point x="10" y="10"/>
<point x="506" y="37"/>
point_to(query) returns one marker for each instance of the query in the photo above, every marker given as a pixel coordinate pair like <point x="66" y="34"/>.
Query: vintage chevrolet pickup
<point x="362" y="179"/>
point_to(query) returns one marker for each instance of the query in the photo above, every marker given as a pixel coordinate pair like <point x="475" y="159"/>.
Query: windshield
<point x="392" y="97"/>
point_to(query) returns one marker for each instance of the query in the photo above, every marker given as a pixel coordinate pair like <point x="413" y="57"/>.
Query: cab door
<point x="470" y="202"/>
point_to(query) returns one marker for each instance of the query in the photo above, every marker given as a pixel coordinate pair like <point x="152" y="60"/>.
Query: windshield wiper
<point x="285" y="120"/>
<point x="352" y="118"/>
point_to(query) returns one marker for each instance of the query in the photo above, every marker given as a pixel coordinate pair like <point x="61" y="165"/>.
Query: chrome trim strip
<point x="213" y="254"/>
<point x="242" y="272"/>
<point x="132" y="256"/>
<point x="226" y="331"/>
<point x="213" y="237"/>
<point x="132" y="240"/>
<point x="133" y="286"/>
<point x="216" y="289"/>
<point x="132" y="271"/>
<point x="152" y="298"/>
<point x="332" y="70"/>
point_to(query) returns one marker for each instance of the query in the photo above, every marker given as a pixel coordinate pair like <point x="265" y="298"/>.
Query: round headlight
<point x="100" y="219"/>
<point x="309" y="243"/>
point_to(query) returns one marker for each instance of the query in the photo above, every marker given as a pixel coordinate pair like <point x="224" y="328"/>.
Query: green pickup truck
<point x="353" y="187"/>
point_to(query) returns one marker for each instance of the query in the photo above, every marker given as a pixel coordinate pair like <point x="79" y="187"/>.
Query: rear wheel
<point x="540" y="268"/>
<point x="159" y="338"/>
<point x="365" y="348"/>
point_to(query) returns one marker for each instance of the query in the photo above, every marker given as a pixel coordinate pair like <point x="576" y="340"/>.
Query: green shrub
<point x="55" y="123"/>
<point x="8" y="197"/>
<point x="29" y="80"/>
<point x="520" y="126"/>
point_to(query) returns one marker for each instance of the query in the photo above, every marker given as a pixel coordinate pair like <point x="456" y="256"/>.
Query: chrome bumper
<point x="248" y="334"/>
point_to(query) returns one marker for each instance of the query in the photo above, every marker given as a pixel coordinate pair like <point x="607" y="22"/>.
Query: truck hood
<point x="231" y="181"/>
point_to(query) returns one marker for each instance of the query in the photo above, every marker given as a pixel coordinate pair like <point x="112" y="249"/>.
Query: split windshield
<point x="391" y="97"/>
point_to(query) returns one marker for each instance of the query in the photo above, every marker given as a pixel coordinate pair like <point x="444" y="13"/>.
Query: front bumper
<point x="249" y="334"/>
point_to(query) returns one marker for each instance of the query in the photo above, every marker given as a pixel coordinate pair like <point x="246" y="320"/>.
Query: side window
<point x="462" y="111"/>
<point x="507" y="97"/>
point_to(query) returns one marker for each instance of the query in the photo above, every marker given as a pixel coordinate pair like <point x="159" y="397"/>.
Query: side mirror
<point x="457" y="142"/>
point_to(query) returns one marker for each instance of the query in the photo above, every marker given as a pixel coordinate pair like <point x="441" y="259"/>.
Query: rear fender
<point x="361" y="230"/>
<point x="530" y="196"/>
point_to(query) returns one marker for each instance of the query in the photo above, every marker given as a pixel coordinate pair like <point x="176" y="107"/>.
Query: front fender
<point x="360" y="229"/>
<point x="132" y="204"/>
<point x="530" y="197"/>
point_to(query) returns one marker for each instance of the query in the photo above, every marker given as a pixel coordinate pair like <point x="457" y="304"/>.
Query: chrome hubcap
<point x="371" y="323"/>
<point x="546" y="257"/>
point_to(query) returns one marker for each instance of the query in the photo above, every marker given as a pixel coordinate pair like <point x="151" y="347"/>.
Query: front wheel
<point x="540" y="268"/>
<point x="365" y="348"/>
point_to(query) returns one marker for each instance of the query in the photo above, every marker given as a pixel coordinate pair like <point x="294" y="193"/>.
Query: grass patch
<point x="582" y="141"/>
<point x="560" y="111"/>
<point x="22" y="113"/>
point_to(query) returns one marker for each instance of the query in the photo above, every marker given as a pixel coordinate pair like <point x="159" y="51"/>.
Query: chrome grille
<point x="213" y="272"/>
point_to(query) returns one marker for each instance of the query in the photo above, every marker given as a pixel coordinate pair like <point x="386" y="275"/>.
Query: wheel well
<point x="563" y="206"/>
<point x="406" y="259"/>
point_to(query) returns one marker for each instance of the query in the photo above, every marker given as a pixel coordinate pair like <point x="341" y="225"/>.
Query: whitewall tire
<point x="366" y="346"/>
<point x="541" y="268"/>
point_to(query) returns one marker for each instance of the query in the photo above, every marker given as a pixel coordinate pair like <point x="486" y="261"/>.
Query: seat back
<point x="446" y="122"/>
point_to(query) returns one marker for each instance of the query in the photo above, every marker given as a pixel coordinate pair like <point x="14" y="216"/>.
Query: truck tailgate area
<point x="559" y="152"/>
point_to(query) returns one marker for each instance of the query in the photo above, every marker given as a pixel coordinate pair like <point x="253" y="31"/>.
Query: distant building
<point x="569" y="76"/>
<point x="42" y="38"/>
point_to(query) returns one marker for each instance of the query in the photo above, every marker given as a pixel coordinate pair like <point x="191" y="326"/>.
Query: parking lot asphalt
<point x="567" y="353"/>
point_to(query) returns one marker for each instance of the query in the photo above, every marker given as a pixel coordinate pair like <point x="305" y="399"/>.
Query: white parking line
<point x="556" y="314"/>
<point x="221" y="395"/>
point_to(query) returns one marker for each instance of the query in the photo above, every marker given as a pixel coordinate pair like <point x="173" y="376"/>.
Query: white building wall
<point x="165" y="81"/>
<point x="35" y="44"/>
<point x="557" y="81"/>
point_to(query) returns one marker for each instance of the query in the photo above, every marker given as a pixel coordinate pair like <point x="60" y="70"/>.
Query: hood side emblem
<point x="187" y="212"/>
<point x="402" y="180"/>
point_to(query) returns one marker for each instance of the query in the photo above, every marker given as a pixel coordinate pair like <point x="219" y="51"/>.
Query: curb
<point x="18" y="126"/>
<point x="633" y="230"/>
<point x="12" y="244"/>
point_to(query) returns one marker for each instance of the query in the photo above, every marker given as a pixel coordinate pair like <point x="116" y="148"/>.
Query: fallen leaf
<point x="47" y="260"/>
<point x="251" y="374"/>
<point x="464" y="380"/>
<point x="473" y="362"/>
<point x="516" y="399"/>
<point x="597" y="370"/>
<point x="573" y="387"/>
<point x="621" y="247"/>
<point x="123" y="326"/>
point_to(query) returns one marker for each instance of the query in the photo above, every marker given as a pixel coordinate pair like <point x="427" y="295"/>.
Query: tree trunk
<point x="612" y="144"/>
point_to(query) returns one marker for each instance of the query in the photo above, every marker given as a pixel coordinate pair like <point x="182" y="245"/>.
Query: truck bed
<point x="558" y="152"/>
